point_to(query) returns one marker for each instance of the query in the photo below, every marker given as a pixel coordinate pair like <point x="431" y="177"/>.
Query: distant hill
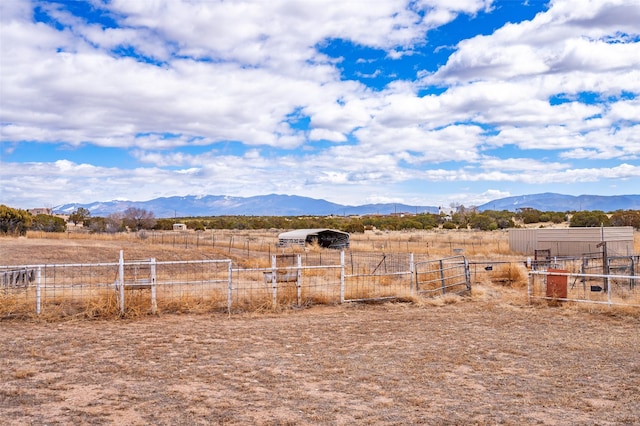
<point x="221" y="205"/>
<point x="292" y="205"/>
<point x="563" y="203"/>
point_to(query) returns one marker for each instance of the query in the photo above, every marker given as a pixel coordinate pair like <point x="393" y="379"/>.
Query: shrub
<point x="46" y="223"/>
<point x="14" y="221"/>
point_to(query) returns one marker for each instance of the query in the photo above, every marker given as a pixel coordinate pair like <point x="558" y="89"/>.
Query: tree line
<point x="463" y="218"/>
<point x="18" y="221"/>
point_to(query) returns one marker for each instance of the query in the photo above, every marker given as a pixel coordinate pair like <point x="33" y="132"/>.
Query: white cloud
<point x="246" y="72"/>
<point x="324" y="134"/>
<point x="557" y="41"/>
<point x="521" y="165"/>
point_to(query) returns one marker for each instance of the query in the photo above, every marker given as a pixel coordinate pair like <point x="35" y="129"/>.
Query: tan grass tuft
<point x="511" y="275"/>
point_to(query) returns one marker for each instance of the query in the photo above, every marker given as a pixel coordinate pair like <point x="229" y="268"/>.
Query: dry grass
<point x="456" y="361"/>
<point x="437" y="243"/>
<point x="84" y="248"/>
<point x="484" y="358"/>
<point x="243" y="245"/>
<point x="510" y="274"/>
<point x="15" y="304"/>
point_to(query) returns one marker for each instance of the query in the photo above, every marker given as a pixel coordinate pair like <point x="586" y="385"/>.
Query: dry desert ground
<point x="490" y="358"/>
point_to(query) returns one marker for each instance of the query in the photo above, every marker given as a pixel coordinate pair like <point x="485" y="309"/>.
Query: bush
<point x="483" y="222"/>
<point x="589" y="219"/>
<point x="14" y="221"/>
<point x="95" y="224"/>
<point x="47" y="223"/>
<point x="626" y="218"/>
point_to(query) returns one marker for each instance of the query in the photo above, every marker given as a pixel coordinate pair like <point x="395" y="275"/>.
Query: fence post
<point x="274" y="280"/>
<point x="467" y="273"/>
<point x="299" y="278"/>
<point x="230" y="286"/>
<point x="38" y="300"/>
<point x="121" y="280"/>
<point x="412" y="271"/>
<point x="342" y="276"/>
<point x="154" y="304"/>
<point x="444" y="287"/>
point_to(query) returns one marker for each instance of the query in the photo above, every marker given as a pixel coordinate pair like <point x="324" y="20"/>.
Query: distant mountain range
<point x="550" y="202"/>
<point x="262" y="205"/>
<point x="292" y="205"/>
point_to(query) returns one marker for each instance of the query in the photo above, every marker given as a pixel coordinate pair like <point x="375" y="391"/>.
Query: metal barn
<point x="573" y="241"/>
<point x="328" y="238"/>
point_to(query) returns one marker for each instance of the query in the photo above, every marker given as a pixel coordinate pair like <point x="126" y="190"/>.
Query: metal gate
<point x="377" y="276"/>
<point x="448" y="275"/>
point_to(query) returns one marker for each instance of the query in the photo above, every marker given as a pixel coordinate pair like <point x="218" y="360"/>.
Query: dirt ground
<point x="487" y="359"/>
<point x="484" y="360"/>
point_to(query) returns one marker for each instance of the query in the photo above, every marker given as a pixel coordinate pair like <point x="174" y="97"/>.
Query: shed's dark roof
<point x="301" y="234"/>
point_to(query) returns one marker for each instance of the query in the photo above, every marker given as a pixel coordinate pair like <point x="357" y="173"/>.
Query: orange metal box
<point x="557" y="284"/>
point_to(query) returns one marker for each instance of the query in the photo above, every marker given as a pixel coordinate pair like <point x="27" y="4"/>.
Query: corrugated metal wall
<point x="523" y="240"/>
<point x="572" y="241"/>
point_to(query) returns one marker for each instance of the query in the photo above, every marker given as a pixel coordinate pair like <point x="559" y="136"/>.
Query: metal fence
<point x="448" y="275"/>
<point x="562" y="285"/>
<point x="103" y="288"/>
<point x="151" y="286"/>
<point x="377" y="276"/>
<point x="290" y="280"/>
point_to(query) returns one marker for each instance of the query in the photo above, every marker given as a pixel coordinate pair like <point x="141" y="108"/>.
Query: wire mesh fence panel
<point x="377" y="263"/>
<point x="251" y="288"/>
<point x="17" y="290"/>
<point x="191" y="285"/>
<point x="377" y="287"/>
<point x="559" y="285"/>
<point x="321" y="285"/>
<point x="592" y="263"/>
<point x="114" y="288"/>
<point x="448" y="275"/>
<point x="81" y="289"/>
<point x="372" y="276"/>
<point x="65" y="290"/>
<point x="307" y="278"/>
<point x="591" y="279"/>
<point x="624" y="265"/>
<point x="265" y="288"/>
<point x="321" y="258"/>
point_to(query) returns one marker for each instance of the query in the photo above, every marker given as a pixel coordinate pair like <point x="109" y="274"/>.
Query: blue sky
<point x="426" y="102"/>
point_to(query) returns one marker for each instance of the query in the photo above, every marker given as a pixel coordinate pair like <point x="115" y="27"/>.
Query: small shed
<point x="572" y="241"/>
<point x="327" y="238"/>
<point x="179" y="227"/>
